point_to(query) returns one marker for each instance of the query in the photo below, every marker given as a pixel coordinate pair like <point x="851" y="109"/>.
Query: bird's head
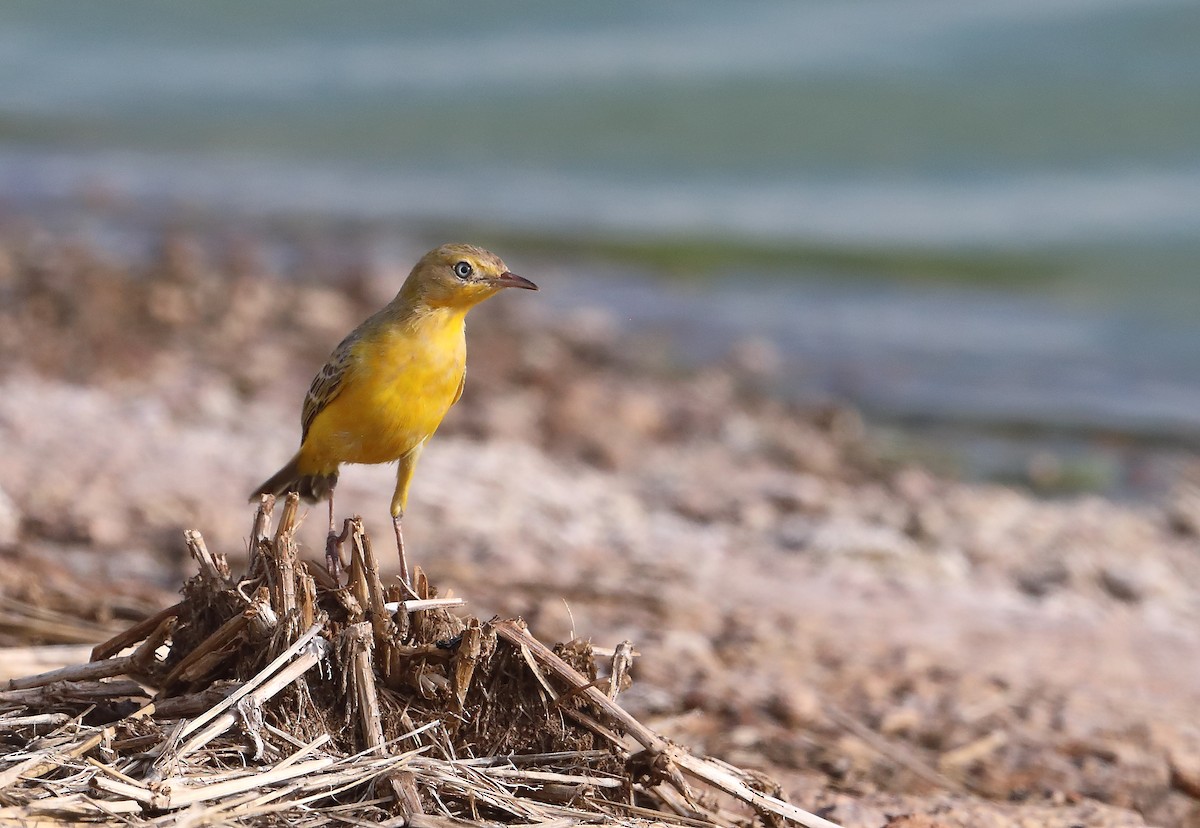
<point x="459" y="276"/>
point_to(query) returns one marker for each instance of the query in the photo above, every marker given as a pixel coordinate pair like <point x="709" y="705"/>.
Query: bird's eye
<point x="463" y="269"/>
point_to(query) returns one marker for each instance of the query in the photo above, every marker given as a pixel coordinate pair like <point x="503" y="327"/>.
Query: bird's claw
<point x="334" y="561"/>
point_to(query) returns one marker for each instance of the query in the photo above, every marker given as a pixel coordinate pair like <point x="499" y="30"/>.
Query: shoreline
<point x="781" y="579"/>
<point x="972" y="403"/>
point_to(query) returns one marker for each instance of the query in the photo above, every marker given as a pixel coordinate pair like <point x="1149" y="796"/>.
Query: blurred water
<point x="845" y="122"/>
<point x="1044" y="151"/>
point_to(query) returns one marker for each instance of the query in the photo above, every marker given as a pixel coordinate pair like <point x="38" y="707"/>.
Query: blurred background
<point x="980" y="223"/>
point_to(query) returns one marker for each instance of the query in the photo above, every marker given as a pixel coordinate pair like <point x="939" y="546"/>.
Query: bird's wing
<point x="326" y="385"/>
<point x="462" y="383"/>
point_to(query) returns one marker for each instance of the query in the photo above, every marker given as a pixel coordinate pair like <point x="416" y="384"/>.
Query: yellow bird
<point x="387" y="386"/>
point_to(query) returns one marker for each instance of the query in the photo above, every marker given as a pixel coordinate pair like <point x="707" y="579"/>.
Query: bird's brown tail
<point x="312" y="487"/>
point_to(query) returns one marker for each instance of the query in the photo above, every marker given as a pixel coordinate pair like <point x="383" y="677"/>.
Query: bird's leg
<point x="404" y="576"/>
<point x="403" y="478"/>
<point x="333" y="545"/>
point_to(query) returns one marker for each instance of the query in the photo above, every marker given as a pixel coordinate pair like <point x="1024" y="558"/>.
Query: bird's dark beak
<point x="507" y="279"/>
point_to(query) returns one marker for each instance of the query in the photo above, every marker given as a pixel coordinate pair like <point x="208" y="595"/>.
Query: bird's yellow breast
<point x="401" y="379"/>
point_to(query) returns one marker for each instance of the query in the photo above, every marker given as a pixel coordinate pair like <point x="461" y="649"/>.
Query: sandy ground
<point x="881" y="641"/>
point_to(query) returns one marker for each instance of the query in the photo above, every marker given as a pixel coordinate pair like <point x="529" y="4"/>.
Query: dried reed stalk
<point x="285" y="697"/>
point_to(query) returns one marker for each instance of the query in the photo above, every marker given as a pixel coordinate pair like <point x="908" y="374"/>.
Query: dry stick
<point x="135" y="744"/>
<point x="480" y="789"/>
<point x="182" y="791"/>
<point x="656" y="815"/>
<point x="147" y="651"/>
<point x="248" y="687"/>
<point x="256" y="803"/>
<point x="466" y="656"/>
<point x="76" y="805"/>
<point x="701" y="769"/>
<point x="193" y="704"/>
<point x="532" y="663"/>
<point x="360" y="641"/>
<point x="52" y="719"/>
<point x="370" y="569"/>
<point x="76" y="672"/>
<point x="213" y="568"/>
<point x="302" y="664"/>
<point x="282" y="735"/>
<point x="377" y="613"/>
<point x="287" y="518"/>
<point x="330" y="786"/>
<point x="262" y="521"/>
<point x="135" y="633"/>
<point x="308" y="596"/>
<point x="420" y="588"/>
<point x="514" y="634"/>
<point x="47" y="761"/>
<point x="109" y="770"/>
<point x="539" y="777"/>
<point x="360" y="767"/>
<point x="223" y="635"/>
<point x="405" y="794"/>
<point x="719" y="777"/>
<point x="247" y="805"/>
<point x="321" y="575"/>
<point x="48" y="694"/>
<point x="252" y="701"/>
<point x="670" y="799"/>
<point x="535" y="652"/>
<point x="107" y="668"/>
<point x="432" y="821"/>
<point x="259" y="540"/>
<point x="357" y="583"/>
<point x="265" y="805"/>
<point x="258" y="798"/>
<point x="305" y="750"/>
<point x="516" y="759"/>
<point x="579" y="717"/>
<point x="284" y="549"/>
<point x="618" y="677"/>
<point x="349" y="605"/>
<point x="325" y="785"/>
<point x="263" y="619"/>
<point x="422" y="604"/>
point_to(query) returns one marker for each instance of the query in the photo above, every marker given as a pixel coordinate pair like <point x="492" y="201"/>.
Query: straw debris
<point x="284" y="697"/>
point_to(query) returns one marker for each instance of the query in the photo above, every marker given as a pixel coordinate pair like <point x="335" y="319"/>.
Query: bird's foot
<point x="405" y="577"/>
<point x="334" y="561"/>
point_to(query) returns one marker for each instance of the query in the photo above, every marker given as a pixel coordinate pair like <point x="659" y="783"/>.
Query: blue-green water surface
<point x="936" y="208"/>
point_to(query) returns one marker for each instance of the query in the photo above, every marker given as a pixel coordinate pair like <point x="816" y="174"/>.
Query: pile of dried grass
<point x="282" y="697"/>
